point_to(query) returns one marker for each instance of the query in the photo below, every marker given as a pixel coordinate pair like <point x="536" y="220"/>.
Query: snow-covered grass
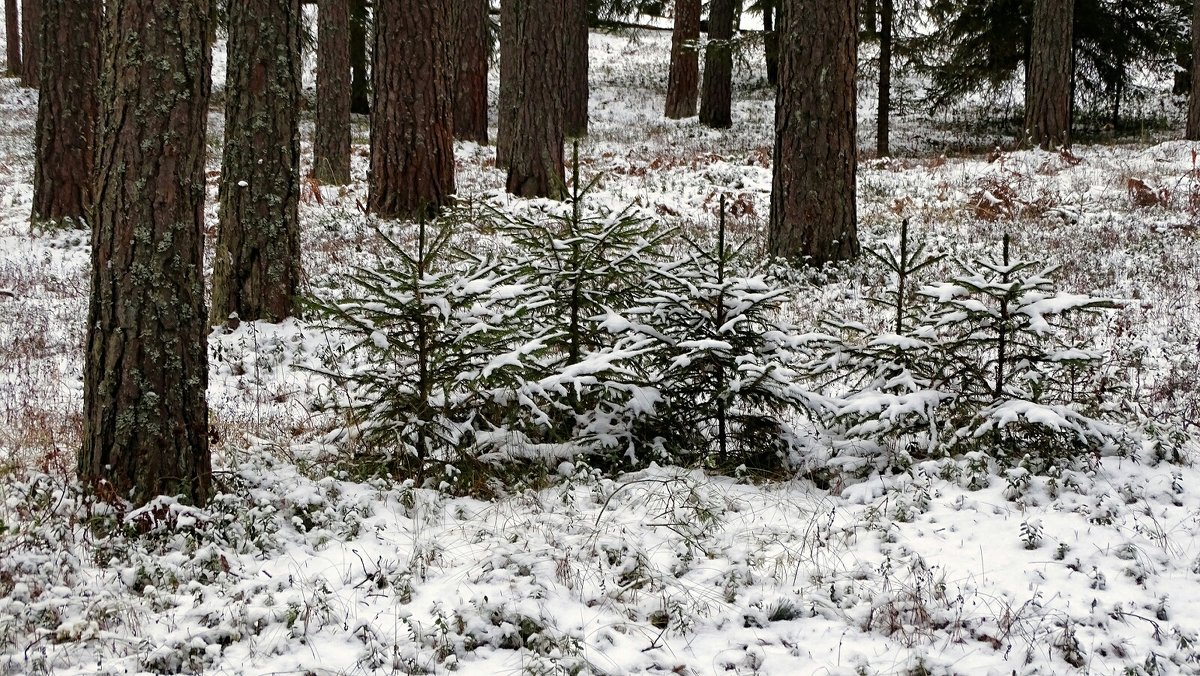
<point x="944" y="568"/>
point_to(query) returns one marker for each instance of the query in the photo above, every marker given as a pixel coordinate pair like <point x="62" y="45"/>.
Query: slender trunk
<point x="331" y="140"/>
<point x="683" y="84"/>
<point x="12" y="37"/>
<point x="535" y="167"/>
<point x="883" y="120"/>
<point x="771" y="43"/>
<point x="575" y="81"/>
<point x="716" y="97"/>
<point x="360" y="88"/>
<point x="145" y="416"/>
<point x="67" y="109"/>
<point x="1051" y="67"/>
<point x="256" y="265"/>
<point x="31" y="49"/>
<point x="470" y="28"/>
<point x="412" y="116"/>
<point x="1193" y="119"/>
<point x="510" y="79"/>
<point x="813" y="213"/>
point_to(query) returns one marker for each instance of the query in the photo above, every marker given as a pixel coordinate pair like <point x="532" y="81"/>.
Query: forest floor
<point x="297" y="568"/>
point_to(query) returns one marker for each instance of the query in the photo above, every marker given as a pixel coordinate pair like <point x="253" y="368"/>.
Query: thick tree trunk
<point x="771" y="42"/>
<point x="813" y="212"/>
<point x="145" y="417"/>
<point x="510" y="79"/>
<point x="65" y="137"/>
<point x="535" y="167"/>
<point x="256" y="266"/>
<point x="683" y="83"/>
<point x="12" y="37"/>
<point x="716" y="96"/>
<point x="883" y="122"/>
<point x="331" y="140"/>
<point x="360" y="22"/>
<point x="470" y="28"/>
<point x="31" y="50"/>
<point x="1048" y="99"/>
<point x="412" y="117"/>
<point x="1193" y="119"/>
<point x="575" y="81"/>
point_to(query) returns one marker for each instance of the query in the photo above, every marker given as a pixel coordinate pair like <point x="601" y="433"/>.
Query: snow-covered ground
<point x="296" y="568"/>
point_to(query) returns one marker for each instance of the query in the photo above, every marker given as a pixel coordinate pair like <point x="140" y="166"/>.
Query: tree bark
<point x="12" y="37"/>
<point x="360" y="21"/>
<point x="145" y="417"/>
<point x="1048" y="94"/>
<point x="683" y="83"/>
<point x="716" y="96"/>
<point x="771" y="42"/>
<point x="575" y="82"/>
<point x="470" y="28"/>
<point x="883" y="122"/>
<point x="535" y="167"/>
<point x="813" y="212"/>
<point x="67" y="109"/>
<point x="412" y="117"/>
<point x="331" y="139"/>
<point x="256" y="265"/>
<point x="1193" y="119"/>
<point x="31" y="50"/>
<point x="510" y="79"/>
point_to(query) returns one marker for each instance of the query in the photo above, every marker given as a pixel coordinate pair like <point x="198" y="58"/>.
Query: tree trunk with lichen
<point x="1051" y="64"/>
<point x="145" y="429"/>
<point x="535" y="164"/>
<point x="412" y="116"/>
<point x="813" y="212"/>
<point x="331" y="139"/>
<point x="31" y="62"/>
<point x="65" y="136"/>
<point x="683" y="82"/>
<point x="470" y="28"/>
<point x="716" y="95"/>
<point x="256" y="261"/>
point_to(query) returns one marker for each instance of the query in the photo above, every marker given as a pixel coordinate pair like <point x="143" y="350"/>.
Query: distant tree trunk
<point x="510" y="79"/>
<point x="716" y="96"/>
<point x="1048" y="99"/>
<point x="470" y="29"/>
<point x="145" y="418"/>
<point x="256" y="265"/>
<point x="575" y="81"/>
<point x="535" y="167"/>
<point x="813" y="212"/>
<point x="67" y="109"/>
<point x="331" y="140"/>
<point x="12" y="37"/>
<point x="412" y="117"/>
<point x="1193" y="120"/>
<point x="683" y="84"/>
<point x="771" y="42"/>
<point x="31" y="49"/>
<point x="360" y="96"/>
<point x="883" y="120"/>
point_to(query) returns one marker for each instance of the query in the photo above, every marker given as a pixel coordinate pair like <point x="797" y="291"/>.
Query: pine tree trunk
<point x="12" y="37"/>
<point x="535" y="167"/>
<point x="683" y="83"/>
<point x="813" y="212"/>
<point x="510" y="80"/>
<point x="716" y="96"/>
<point x="65" y="137"/>
<point x="771" y="42"/>
<point x="360" y="88"/>
<point x="145" y="417"/>
<point x="331" y="140"/>
<point x="256" y="264"/>
<point x="412" y="117"/>
<point x="1048" y="103"/>
<point x="883" y="121"/>
<point x="31" y="61"/>
<point x="575" y="82"/>
<point x="470" y="87"/>
<point x="1193" y="119"/>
